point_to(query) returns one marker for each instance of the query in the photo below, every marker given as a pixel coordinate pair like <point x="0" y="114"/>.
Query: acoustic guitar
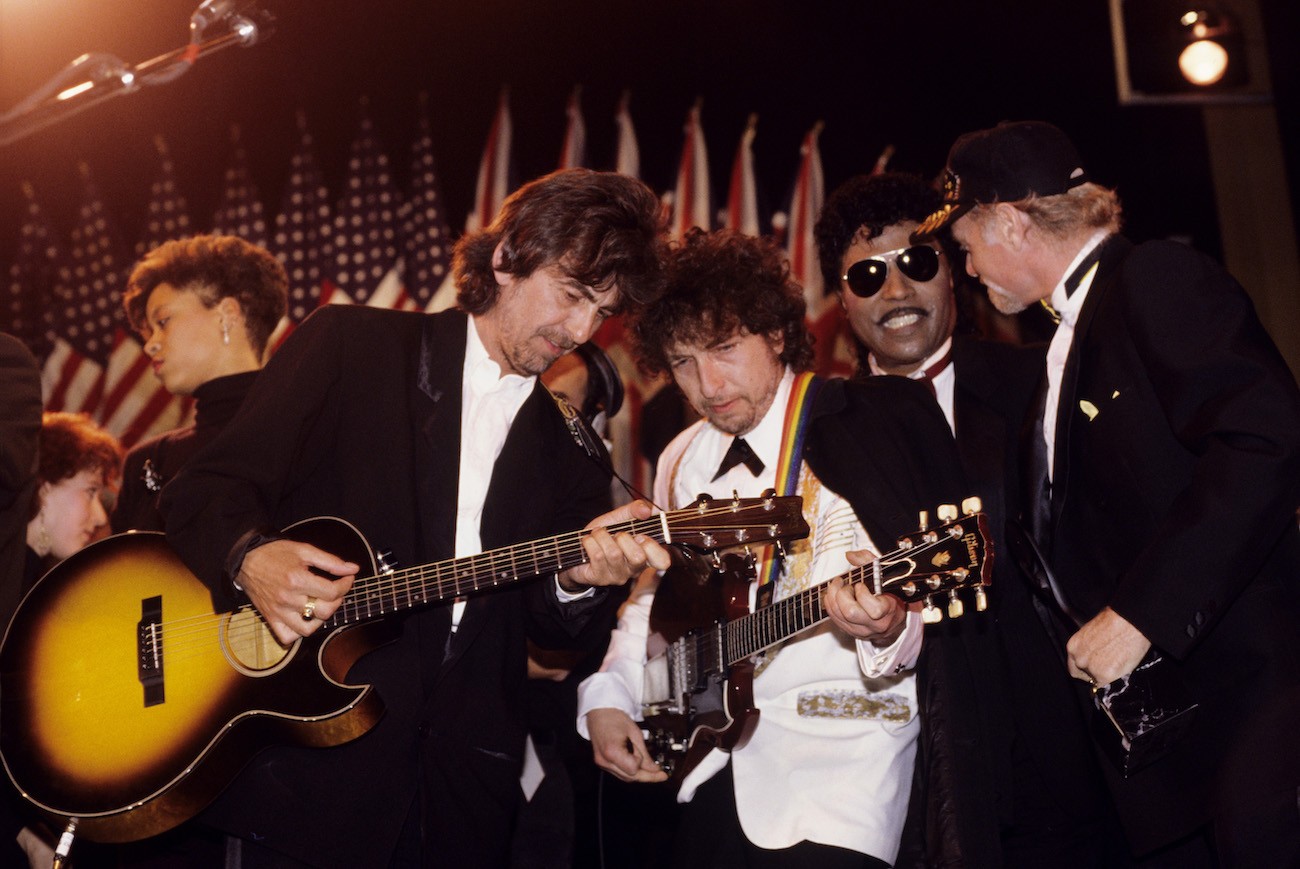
<point x="127" y="704"/>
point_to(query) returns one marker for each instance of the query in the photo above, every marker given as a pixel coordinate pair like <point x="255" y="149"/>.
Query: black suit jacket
<point x="1177" y="474"/>
<point x="995" y="692"/>
<point x="359" y="415"/>
<point x="884" y="446"/>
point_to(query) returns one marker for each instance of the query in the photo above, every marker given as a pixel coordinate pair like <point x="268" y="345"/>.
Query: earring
<point x="43" y="538"/>
<point x="225" y="332"/>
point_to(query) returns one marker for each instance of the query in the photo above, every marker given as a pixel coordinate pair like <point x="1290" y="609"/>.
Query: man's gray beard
<point x="1004" y="301"/>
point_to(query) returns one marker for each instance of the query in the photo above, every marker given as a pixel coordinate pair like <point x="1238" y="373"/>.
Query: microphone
<point x="248" y="26"/>
<point x="208" y="13"/>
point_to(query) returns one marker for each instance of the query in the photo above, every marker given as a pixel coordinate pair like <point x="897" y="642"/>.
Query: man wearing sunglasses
<point x="1165" y="471"/>
<point x="1017" y="787"/>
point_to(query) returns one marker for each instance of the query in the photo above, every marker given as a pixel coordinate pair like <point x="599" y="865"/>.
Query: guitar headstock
<point x="710" y="524"/>
<point x="942" y="560"/>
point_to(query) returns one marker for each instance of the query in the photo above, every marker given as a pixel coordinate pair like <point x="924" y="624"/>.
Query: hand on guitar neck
<point x="284" y="578"/>
<point x="879" y="619"/>
<point x="295" y="600"/>
<point x="614" y="559"/>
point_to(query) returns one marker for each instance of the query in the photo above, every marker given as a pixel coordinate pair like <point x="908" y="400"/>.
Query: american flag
<point x="826" y="319"/>
<point x="87" y="311"/>
<point x="426" y="237"/>
<point x="31" y="280"/>
<point x="493" y="170"/>
<point x="367" y="227"/>
<point x="240" y="211"/>
<point x="742" y="199"/>
<point x="691" y="199"/>
<point x="135" y="403"/>
<point x="304" y="234"/>
<point x="628" y="156"/>
<point x="573" y="153"/>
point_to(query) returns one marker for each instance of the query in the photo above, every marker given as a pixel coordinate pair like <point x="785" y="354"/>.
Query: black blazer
<point x="990" y="679"/>
<point x="359" y="415"/>
<point x="1177" y="475"/>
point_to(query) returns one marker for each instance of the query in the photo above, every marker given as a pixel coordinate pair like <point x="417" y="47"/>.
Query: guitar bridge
<point x="149" y="652"/>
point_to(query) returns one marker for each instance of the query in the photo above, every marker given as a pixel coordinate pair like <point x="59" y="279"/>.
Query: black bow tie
<point x="739" y="453"/>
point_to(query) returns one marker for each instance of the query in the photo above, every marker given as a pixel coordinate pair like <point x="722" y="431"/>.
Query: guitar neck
<point x="781" y="620"/>
<point x="445" y="581"/>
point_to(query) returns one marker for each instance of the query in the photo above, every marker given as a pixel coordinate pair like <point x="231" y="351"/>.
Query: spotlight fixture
<point x="1170" y="51"/>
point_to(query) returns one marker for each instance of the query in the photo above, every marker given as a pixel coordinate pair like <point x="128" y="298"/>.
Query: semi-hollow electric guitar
<point x="698" y="692"/>
<point x="127" y="704"/>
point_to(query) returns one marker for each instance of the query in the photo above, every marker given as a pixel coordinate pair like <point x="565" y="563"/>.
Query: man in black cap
<point x="1162" y="478"/>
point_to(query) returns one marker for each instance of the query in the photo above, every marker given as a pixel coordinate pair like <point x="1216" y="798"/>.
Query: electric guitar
<point x="698" y="692"/>
<point x="128" y="704"/>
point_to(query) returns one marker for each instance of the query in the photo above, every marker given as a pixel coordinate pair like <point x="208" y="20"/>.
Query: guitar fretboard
<point x="443" y="581"/>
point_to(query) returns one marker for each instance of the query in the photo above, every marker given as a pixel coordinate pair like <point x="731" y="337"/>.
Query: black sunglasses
<point x="866" y="276"/>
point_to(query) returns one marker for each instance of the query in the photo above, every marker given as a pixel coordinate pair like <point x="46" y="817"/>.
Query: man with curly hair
<point x="825" y="776"/>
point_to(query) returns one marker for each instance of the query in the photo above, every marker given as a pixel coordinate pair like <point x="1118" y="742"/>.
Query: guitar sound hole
<point x="250" y="646"/>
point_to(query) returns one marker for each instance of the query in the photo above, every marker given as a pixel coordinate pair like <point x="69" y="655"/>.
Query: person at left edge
<point x="205" y="307"/>
<point x="432" y="435"/>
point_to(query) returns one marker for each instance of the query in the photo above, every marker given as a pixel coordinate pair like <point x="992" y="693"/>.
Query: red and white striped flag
<point x="136" y="405"/>
<point x="691" y="199"/>
<point x="742" y="199"/>
<point x="367" y="228"/>
<point x="493" y="170"/>
<point x="304" y="231"/>
<point x="29" y="300"/>
<point x="573" y="153"/>
<point x="805" y="205"/>
<point x="426" y="237"/>
<point x="628" y="155"/>
<point x="826" y="321"/>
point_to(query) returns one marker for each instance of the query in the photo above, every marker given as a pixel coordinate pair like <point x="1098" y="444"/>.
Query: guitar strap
<point x="798" y="410"/>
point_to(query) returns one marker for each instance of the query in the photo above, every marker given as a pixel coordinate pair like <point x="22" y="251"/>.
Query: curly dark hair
<point x="214" y="267"/>
<point x="71" y="443"/>
<point x="715" y="282"/>
<point x="603" y="229"/>
<point x="874" y="203"/>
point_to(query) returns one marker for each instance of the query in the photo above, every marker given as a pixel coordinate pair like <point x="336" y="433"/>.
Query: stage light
<point x="1181" y="51"/>
<point x="1203" y="62"/>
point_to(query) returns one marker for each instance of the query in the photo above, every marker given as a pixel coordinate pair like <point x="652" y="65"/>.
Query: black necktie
<point x="739" y="453"/>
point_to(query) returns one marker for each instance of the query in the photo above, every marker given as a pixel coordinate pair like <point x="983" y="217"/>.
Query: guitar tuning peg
<point x="972" y="505"/>
<point x="946" y="512"/>
<point x="735" y="500"/>
<point x="955" y="607"/>
<point x="981" y="598"/>
<point x="924" y="522"/>
<point x="931" y="614"/>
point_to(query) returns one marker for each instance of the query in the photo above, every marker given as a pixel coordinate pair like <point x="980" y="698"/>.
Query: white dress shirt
<point x="1067" y="307"/>
<point x="489" y="403"/>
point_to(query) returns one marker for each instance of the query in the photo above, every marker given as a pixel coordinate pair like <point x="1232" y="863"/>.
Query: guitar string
<point x="370" y="585"/>
<point x="175" y="634"/>
<point x="758" y="627"/>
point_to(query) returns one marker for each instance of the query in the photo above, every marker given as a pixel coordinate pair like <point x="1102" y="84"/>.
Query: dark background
<point x="911" y="73"/>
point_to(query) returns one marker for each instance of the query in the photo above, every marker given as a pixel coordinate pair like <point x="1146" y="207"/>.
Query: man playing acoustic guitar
<point x="825" y="777"/>
<point x="431" y="434"/>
